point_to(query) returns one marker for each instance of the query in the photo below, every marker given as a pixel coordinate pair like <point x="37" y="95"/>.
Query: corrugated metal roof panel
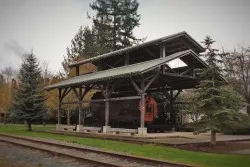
<point x="144" y="44"/>
<point x="120" y="72"/>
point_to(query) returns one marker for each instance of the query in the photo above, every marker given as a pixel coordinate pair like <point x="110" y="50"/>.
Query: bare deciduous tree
<point x="46" y="73"/>
<point x="8" y="72"/>
<point x="237" y="65"/>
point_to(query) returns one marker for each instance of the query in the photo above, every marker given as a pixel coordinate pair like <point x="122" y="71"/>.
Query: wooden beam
<point x="86" y="90"/>
<point x="103" y="100"/>
<point x="135" y="86"/>
<point x="178" y="75"/>
<point x="118" y="61"/>
<point x="150" y="53"/>
<point x="174" y="50"/>
<point x="185" y="72"/>
<point x="149" y="77"/>
<point x="150" y="82"/>
<point x="76" y="93"/>
<point x="65" y="92"/>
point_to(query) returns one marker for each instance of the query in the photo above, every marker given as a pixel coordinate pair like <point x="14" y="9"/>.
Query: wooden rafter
<point x="176" y="95"/>
<point x="185" y="72"/>
<point x="102" y="100"/>
<point x="178" y="75"/>
<point x="150" y="82"/>
<point x="135" y="85"/>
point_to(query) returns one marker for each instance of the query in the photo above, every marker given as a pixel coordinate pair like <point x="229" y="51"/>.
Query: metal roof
<point x="122" y="72"/>
<point x="144" y="44"/>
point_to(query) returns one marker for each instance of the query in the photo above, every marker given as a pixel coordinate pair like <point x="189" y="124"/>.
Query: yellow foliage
<point x="6" y="96"/>
<point x="52" y="96"/>
<point x="83" y="69"/>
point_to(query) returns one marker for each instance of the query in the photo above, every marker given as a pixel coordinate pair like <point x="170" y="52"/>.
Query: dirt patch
<point x="221" y="147"/>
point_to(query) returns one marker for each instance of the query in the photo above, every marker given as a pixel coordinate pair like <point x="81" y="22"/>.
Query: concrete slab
<point x="246" y="151"/>
<point x="170" y="138"/>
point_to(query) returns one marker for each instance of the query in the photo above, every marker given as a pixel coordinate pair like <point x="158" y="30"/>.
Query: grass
<point x="148" y="150"/>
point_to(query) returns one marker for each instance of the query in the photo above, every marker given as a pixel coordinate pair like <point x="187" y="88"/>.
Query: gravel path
<point x="34" y="158"/>
<point x="79" y="153"/>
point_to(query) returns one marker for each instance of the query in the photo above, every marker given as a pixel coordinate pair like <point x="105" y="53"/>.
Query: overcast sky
<point x="47" y="26"/>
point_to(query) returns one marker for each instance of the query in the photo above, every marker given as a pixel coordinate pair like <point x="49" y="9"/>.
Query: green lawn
<point x="153" y="151"/>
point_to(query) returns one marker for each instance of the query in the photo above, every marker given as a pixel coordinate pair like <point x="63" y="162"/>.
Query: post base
<point x="58" y="126"/>
<point x="79" y="128"/>
<point x="142" y="132"/>
<point x="105" y="129"/>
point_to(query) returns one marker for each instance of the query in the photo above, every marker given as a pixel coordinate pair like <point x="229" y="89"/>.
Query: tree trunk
<point x="29" y="126"/>
<point x="213" y="137"/>
<point x="248" y="109"/>
<point x="25" y="123"/>
<point x="68" y="117"/>
<point x="4" y="118"/>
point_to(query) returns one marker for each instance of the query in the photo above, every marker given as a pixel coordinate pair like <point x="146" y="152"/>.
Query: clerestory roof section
<point x="124" y="71"/>
<point x="194" y="45"/>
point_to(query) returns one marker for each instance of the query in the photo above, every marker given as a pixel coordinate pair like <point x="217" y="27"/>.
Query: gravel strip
<point x="33" y="158"/>
<point x="80" y="153"/>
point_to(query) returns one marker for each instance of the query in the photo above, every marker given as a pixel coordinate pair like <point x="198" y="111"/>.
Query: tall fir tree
<point x="115" y="21"/>
<point x="216" y="102"/>
<point x="83" y="45"/>
<point x="112" y="29"/>
<point x="28" y="102"/>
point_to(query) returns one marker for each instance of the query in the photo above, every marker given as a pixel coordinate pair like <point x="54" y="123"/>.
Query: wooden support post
<point x="80" y="106"/>
<point x="142" y="131"/>
<point x="77" y="70"/>
<point x="142" y="104"/>
<point x="80" y="95"/>
<point x="172" y="112"/>
<point x="107" y="105"/>
<point x="141" y="91"/>
<point x="162" y="55"/>
<point x="59" y="106"/>
<point x="106" y="93"/>
<point x="163" y="51"/>
<point x="126" y="61"/>
<point x="4" y="117"/>
<point x="193" y="71"/>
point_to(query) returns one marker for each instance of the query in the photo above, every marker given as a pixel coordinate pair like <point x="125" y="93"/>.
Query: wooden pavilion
<point x="136" y="70"/>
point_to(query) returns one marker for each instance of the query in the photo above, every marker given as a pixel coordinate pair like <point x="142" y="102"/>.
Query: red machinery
<point x="151" y="109"/>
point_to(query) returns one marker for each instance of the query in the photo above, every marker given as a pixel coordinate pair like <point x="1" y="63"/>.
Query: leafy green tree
<point x="28" y="102"/>
<point x="115" y="21"/>
<point x="217" y="103"/>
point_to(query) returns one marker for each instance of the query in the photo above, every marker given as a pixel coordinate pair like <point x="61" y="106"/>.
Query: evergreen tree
<point x="28" y="101"/>
<point x="115" y="21"/>
<point x="217" y="104"/>
<point x="82" y="45"/>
